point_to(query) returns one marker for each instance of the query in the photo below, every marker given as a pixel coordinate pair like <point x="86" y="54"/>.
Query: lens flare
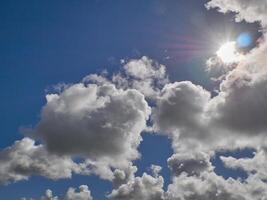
<point x="244" y="40"/>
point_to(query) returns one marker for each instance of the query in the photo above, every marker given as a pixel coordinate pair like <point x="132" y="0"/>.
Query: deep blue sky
<point x="48" y="42"/>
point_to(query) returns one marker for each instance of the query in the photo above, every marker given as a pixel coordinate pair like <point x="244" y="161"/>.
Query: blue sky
<point x="44" y="43"/>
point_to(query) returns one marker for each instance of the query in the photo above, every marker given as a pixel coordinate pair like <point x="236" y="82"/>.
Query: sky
<point x="129" y="100"/>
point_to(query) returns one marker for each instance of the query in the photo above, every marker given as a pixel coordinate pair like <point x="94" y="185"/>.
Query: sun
<point x="228" y="53"/>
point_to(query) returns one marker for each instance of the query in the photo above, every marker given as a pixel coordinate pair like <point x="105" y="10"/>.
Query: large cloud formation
<point x="98" y="122"/>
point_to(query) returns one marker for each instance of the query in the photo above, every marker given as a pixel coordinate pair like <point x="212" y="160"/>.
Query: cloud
<point x="255" y="166"/>
<point x="146" y="187"/>
<point x="100" y="119"/>
<point x="145" y="68"/>
<point x="251" y="11"/>
<point x="250" y="73"/>
<point x="144" y="74"/>
<point x="123" y="176"/>
<point x="24" y="159"/>
<point x="96" y="122"/>
<point x="191" y="164"/>
<point x="233" y="118"/>
<point x="208" y="186"/>
<point x="200" y="183"/>
<point x="200" y="125"/>
<point x="240" y="105"/>
<point x="180" y="107"/>
<point x="49" y="195"/>
<point x="83" y="193"/>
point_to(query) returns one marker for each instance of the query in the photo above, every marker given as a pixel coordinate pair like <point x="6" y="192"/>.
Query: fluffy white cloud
<point x="100" y="123"/>
<point x="209" y="186"/>
<point x="83" y="193"/>
<point x="145" y="68"/>
<point x="24" y="159"/>
<point x="123" y="176"/>
<point x="180" y="107"/>
<point x="96" y="121"/>
<point x="194" y="180"/>
<point x="144" y="74"/>
<point x="146" y="187"/>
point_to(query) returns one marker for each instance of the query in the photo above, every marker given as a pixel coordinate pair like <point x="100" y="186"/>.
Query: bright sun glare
<point x="228" y="53"/>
